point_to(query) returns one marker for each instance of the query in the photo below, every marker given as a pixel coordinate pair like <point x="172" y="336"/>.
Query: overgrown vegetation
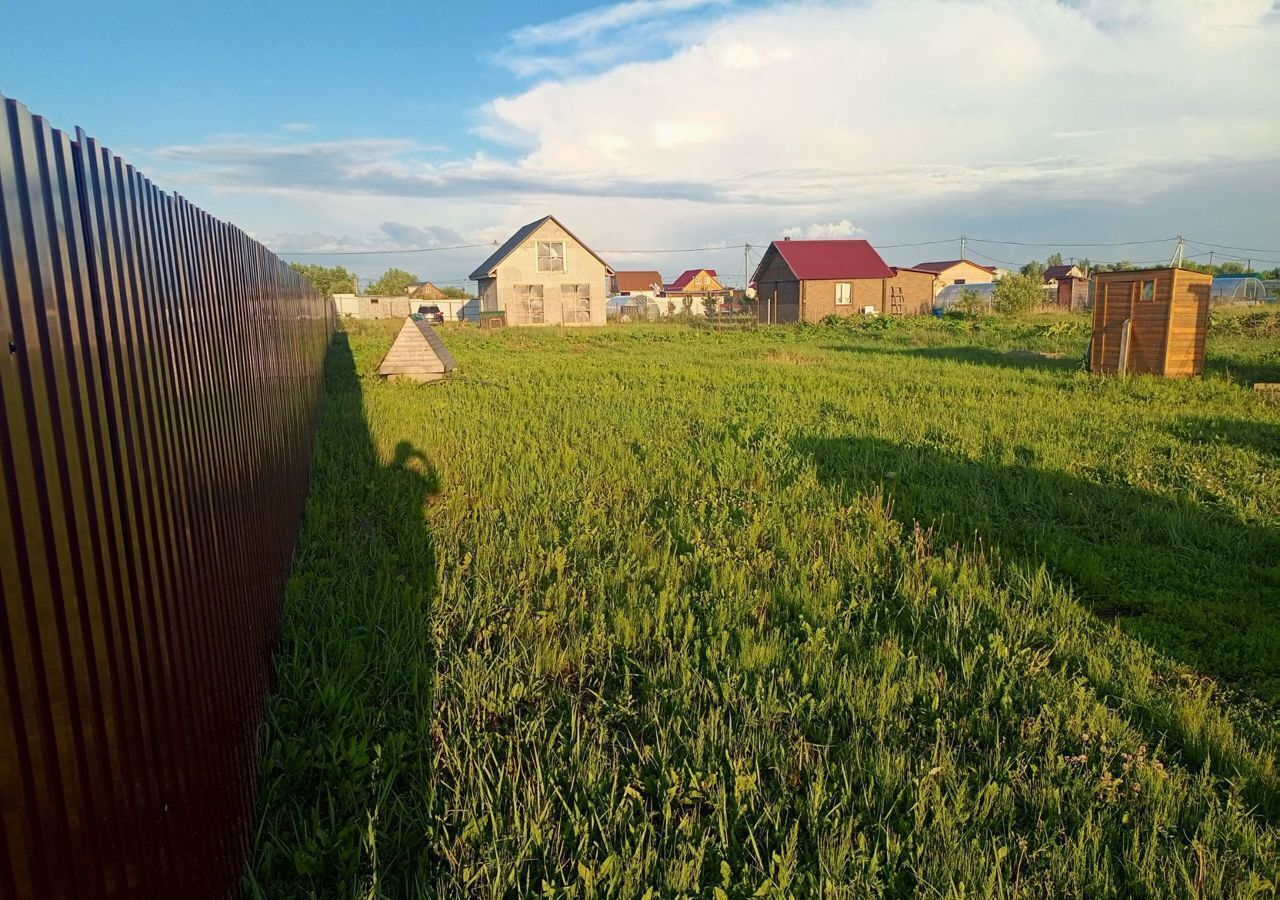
<point x="647" y="610"/>
<point x="1017" y="295"/>
<point x="326" y="280"/>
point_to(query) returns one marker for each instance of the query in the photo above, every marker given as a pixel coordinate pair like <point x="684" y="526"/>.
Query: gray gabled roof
<point x="522" y="235"/>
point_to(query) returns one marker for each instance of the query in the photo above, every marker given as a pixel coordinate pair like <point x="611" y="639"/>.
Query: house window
<point x="527" y="305"/>
<point x="1147" y="291"/>
<point x="575" y="304"/>
<point x="959" y="281"/>
<point x="844" y="293"/>
<point x="550" y="256"/>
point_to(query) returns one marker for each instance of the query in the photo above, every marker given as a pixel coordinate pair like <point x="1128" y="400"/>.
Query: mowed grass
<point x="835" y="611"/>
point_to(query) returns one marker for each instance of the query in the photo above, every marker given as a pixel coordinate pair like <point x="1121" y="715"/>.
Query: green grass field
<point x="882" y="609"/>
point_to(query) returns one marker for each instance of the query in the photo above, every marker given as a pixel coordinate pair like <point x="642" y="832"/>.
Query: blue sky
<point x="666" y="124"/>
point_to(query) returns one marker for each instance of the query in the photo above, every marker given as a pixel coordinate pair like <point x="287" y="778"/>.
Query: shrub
<point x="1017" y="294"/>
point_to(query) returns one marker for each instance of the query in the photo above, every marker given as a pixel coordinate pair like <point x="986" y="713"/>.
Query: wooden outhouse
<point x="1150" y="321"/>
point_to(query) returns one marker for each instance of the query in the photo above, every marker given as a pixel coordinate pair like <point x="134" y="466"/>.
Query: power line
<point x="1229" y="247"/>
<point x="380" y="252"/>
<point x="760" y="246"/>
<point x="916" y="244"/>
<point x="1232" y="256"/>
<point x="1073" y="244"/>
<point x="681" y="250"/>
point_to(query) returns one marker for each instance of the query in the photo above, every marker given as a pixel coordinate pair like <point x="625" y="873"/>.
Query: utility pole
<point x="1210" y="259"/>
<point x="1177" y="254"/>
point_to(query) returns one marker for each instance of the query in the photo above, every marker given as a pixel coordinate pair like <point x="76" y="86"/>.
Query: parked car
<point x="432" y="313"/>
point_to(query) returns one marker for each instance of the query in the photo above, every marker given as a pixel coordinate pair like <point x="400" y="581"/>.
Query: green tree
<point x="327" y="281"/>
<point x="1231" y="268"/>
<point x="393" y="283"/>
<point x="1018" y="294"/>
<point x="1034" y="269"/>
<point x="455" y="293"/>
<point x="1055" y="259"/>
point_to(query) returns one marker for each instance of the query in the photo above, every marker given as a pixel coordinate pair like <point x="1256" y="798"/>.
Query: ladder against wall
<point x="417" y="354"/>
<point x="897" y="302"/>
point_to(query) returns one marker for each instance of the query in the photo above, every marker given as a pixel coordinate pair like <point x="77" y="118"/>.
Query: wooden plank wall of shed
<point x="1188" y="324"/>
<point x="1149" y="319"/>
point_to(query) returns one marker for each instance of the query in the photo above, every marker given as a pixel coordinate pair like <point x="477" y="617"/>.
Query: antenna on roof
<point x="1177" y="254"/>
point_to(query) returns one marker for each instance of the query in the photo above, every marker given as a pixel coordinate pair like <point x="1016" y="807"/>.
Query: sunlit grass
<point x="648" y="610"/>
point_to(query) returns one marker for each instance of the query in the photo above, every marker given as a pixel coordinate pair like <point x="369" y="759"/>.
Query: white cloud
<point x="1106" y="119"/>
<point x="842" y="229"/>
<point x="600" y="37"/>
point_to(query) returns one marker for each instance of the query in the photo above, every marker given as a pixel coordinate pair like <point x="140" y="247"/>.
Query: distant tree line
<point x="392" y="283"/>
<point x="1036" y="269"/>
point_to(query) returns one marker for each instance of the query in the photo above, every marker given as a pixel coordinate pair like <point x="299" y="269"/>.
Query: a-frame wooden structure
<point x="418" y="354"/>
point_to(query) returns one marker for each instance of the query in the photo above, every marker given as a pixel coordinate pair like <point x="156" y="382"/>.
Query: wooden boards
<point x="1150" y="321"/>
<point x="417" y="354"/>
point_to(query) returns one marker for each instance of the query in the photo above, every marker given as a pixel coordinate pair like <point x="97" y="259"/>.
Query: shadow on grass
<point x="348" y="734"/>
<point x="979" y="356"/>
<point x="1262" y="437"/>
<point x="1242" y="370"/>
<point x="1196" y="583"/>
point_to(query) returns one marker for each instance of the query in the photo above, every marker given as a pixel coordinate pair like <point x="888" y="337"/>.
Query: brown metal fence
<point x="158" y="395"/>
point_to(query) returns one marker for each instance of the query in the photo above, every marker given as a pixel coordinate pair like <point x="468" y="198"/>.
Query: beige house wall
<point x="964" y="271"/>
<point x="521" y="267"/>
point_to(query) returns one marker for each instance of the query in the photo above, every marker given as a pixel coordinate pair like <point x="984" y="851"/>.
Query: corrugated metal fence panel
<point x="158" y="395"/>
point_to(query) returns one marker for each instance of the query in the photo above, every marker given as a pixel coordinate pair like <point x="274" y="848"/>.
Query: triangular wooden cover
<point x="417" y="353"/>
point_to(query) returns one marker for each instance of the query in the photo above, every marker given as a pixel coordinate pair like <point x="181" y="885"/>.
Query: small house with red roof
<point x="1068" y="284"/>
<point x="637" y="283"/>
<point x="806" y="281"/>
<point x="957" y="271"/>
<point x="696" y="283"/>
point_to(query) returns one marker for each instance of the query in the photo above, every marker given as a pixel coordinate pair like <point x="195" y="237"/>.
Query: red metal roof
<point x="824" y="260"/>
<point x="683" y="281"/>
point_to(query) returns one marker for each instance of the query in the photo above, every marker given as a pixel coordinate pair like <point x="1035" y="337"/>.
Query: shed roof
<point x="687" y="276"/>
<point x="523" y="234"/>
<point x="826" y="259"/>
<point x="1055" y="272"/>
<point x="638" y="280"/>
<point x="942" y="265"/>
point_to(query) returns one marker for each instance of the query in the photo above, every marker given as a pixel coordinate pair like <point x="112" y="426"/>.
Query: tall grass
<point x="862" y="610"/>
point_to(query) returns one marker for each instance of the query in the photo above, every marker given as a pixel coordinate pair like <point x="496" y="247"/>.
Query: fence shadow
<point x="1196" y="583"/>
<point x="348" y="730"/>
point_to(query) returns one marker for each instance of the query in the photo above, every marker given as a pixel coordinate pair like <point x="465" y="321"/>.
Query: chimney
<point x="786" y="238"/>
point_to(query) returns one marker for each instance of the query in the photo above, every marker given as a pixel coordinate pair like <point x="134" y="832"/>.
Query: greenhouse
<point x="953" y="294"/>
<point x="632" y="308"/>
<point x="1238" y="287"/>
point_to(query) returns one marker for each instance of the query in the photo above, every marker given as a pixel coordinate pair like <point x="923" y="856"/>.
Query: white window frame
<point x="550" y="259"/>
<point x="522" y="298"/>
<point x="848" y="293"/>
<point x="575" y="304"/>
